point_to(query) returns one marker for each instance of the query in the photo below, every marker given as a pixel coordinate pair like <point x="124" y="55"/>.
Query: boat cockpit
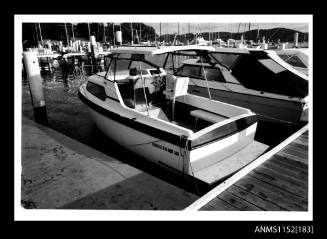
<point x="147" y="87"/>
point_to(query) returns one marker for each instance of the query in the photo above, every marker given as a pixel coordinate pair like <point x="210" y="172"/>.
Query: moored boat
<point x="147" y="110"/>
<point x="255" y="79"/>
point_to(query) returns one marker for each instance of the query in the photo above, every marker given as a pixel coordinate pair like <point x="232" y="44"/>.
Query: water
<point x="69" y="116"/>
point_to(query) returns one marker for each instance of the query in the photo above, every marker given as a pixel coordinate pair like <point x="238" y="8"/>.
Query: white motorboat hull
<point x="268" y="108"/>
<point x="178" y="156"/>
<point x="170" y="155"/>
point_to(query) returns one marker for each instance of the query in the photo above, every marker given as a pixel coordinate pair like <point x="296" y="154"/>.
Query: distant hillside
<point x="283" y="34"/>
<point x="61" y="31"/>
<point x="57" y="31"/>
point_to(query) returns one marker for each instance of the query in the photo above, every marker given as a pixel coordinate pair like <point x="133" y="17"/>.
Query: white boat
<point x="148" y="111"/>
<point x="251" y="78"/>
<point x="297" y="58"/>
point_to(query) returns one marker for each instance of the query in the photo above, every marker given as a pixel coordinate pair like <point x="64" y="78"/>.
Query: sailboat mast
<point x="66" y="34"/>
<point x="37" y="34"/>
<point x="178" y="31"/>
<point x="160" y="33"/>
<point x="113" y="33"/>
<point x="41" y="34"/>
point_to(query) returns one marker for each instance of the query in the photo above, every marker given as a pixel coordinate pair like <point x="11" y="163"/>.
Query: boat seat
<point x="208" y="116"/>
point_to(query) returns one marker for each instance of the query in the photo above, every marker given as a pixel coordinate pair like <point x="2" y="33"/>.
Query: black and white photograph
<point x="163" y="117"/>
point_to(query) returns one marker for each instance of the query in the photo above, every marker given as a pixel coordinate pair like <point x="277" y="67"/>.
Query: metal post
<point x="35" y="84"/>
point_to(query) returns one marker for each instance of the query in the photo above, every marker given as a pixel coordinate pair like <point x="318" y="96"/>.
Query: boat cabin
<point x="145" y="86"/>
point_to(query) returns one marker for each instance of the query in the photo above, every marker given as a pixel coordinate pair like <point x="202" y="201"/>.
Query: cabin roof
<point x="160" y="50"/>
<point x="73" y="54"/>
<point x="232" y="50"/>
<point x="48" y="55"/>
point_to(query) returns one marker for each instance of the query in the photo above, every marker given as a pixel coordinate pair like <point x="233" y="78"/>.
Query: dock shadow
<point x="138" y="192"/>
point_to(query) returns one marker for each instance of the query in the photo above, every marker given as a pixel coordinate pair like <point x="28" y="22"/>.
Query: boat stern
<point x="218" y="144"/>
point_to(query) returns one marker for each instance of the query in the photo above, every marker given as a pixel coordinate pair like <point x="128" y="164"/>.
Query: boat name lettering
<point x="165" y="149"/>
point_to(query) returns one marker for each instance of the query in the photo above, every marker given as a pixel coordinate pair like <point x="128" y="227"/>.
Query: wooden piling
<point x="35" y="84"/>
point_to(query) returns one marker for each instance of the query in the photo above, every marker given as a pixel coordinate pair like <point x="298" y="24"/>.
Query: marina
<point x="180" y="126"/>
<point x="278" y="181"/>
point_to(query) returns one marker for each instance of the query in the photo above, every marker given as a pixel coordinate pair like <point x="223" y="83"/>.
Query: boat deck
<point x="277" y="181"/>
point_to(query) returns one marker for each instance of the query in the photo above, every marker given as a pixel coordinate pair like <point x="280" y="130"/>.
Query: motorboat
<point x="252" y="78"/>
<point x="149" y="111"/>
<point x="297" y="58"/>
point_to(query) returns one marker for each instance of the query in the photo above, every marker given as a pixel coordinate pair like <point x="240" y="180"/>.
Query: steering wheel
<point x="158" y="81"/>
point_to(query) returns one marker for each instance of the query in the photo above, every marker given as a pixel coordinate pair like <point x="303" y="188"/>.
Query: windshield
<point x="175" y="60"/>
<point x="196" y="71"/>
<point x="122" y="65"/>
<point x="226" y="59"/>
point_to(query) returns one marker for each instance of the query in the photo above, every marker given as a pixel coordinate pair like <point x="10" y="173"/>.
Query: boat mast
<point x="132" y="33"/>
<point x="104" y="32"/>
<point x="66" y="35"/>
<point x="160" y="33"/>
<point x="178" y="31"/>
<point x="41" y="34"/>
<point x="37" y="35"/>
<point x="113" y="33"/>
<point x="140" y="33"/>
<point x="88" y="26"/>
<point x="73" y="32"/>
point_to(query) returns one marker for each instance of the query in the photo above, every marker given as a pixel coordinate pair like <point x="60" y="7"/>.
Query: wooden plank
<point x="282" y="169"/>
<point x="296" y="151"/>
<point x="273" y="194"/>
<point x="254" y="199"/>
<point x="284" y="183"/>
<point x="208" y="207"/>
<point x="301" y="141"/>
<point x="273" y="173"/>
<point x="291" y="163"/>
<point x="301" y="147"/>
<point x="244" y="171"/>
<point x="238" y="202"/>
<point x="218" y="205"/>
<point x="293" y="157"/>
<point x="288" y="166"/>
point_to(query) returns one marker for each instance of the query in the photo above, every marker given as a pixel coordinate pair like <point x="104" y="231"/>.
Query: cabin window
<point x="190" y="71"/>
<point x="228" y="60"/>
<point x="293" y="60"/>
<point x="213" y="74"/>
<point x="96" y="90"/>
<point x="272" y="65"/>
<point x="158" y="60"/>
